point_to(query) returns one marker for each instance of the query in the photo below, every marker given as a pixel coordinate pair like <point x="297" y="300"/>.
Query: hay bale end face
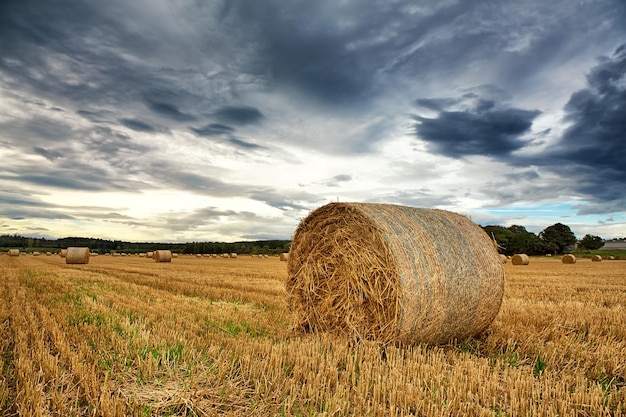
<point x="520" y="259"/>
<point x="568" y="259"/>
<point x="596" y="258"/>
<point x="392" y="273"/>
<point x="77" y="256"/>
<point x="162" y="256"/>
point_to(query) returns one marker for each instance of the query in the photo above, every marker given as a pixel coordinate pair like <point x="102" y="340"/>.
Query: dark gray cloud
<point x="243" y="144"/>
<point x="137" y="125"/>
<point x="239" y="115"/>
<point x="483" y="129"/>
<point x="46" y="153"/>
<point x="212" y="129"/>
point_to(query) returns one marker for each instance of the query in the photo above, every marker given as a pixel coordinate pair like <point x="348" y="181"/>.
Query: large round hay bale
<point x="13" y="252"/>
<point x="77" y="256"/>
<point x="568" y="258"/>
<point x="520" y="259"/>
<point x="162" y="256"/>
<point x="393" y="274"/>
<point x="284" y="256"/>
<point x="63" y="253"/>
<point x="596" y="258"/>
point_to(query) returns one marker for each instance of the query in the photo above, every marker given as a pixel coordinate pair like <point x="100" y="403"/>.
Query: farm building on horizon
<point x="614" y="244"/>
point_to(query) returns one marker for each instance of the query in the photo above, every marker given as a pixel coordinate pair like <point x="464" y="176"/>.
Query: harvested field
<point x="123" y="336"/>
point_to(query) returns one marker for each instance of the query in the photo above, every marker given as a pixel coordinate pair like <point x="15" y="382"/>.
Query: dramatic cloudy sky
<point x="157" y="120"/>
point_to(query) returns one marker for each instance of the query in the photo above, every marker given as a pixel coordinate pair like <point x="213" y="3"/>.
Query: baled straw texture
<point x="568" y="258"/>
<point x="503" y="258"/>
<point x="520" y="259"/>
<point x="13" y="252"/>
<point x="77" y="256"/>
<point x="162" y="256"/>
<point x="596" y="258"/>
<point x="392" y="273"/>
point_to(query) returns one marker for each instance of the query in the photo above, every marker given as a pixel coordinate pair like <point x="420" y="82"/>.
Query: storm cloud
<point x="261" y="111"/>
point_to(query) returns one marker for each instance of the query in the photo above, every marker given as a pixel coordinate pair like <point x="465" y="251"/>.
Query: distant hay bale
<point x="503" y="258"/>
<point x="162" y="256"/>
<point x="568" y="259"/>
<point x="392" y="273"/>
<point x="232" y="255"/>
<point x="48" y="253"/>
<point x="150" y="254"/>
<point x="611" y="258"/>
<point x="13" y="252"/>
<point x="77" y="256"/>
<point x="36" y="253"/>
<point x="174" y="255"/>
<point x="520" y="259"/>
<point x="63" y="253"/>
<point x="142" y="255"/>
<point x="596" y="258"/>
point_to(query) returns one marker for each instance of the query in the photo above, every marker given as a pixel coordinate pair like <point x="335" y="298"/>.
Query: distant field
<point x="203" y="337"/>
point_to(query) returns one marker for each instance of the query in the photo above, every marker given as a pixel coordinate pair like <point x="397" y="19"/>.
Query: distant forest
<point x="263" y="247"/>
<point x="554" y="239"/>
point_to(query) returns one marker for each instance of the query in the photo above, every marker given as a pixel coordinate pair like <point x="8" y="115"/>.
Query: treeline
<point x="555" y="239"/>
<point x="262" y="247"/>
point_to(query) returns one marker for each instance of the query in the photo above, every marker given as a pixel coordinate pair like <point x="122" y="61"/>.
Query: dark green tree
<point x="501" y="235"/>
<point x="557" y="238"/>
<point x="591" y="242"/>
<point x="523" y="241"/>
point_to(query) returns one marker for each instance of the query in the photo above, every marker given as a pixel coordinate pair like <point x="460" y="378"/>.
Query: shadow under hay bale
<point x="77" y="256"/>
<point x="393" y="274"/>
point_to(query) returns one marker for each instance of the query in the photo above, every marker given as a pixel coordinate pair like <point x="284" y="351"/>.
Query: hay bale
<point x="63" y="253"/>
<point x="174" y="255"/>
<point x="503" y="258"/>
<point x="568" y="258"/>
<point x="13" y="252"/>
<point x="611" y="258"/>
<point x="232" y="255"/>
<point x="77" y="256"/>
<point x="596" y="258"/>
<point x="36" y="253"/>
<point x="393" y="274"/>
<point x="162" y="256"/>
<point x="520" y="259"/>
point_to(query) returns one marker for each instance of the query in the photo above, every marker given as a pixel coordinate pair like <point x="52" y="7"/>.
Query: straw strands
<point x="162" y="256"/>
<point x="77" y="256"/>
<point x="568" y="259"/>
<point x="393" y="274"/>
<point x="520" y="259"/>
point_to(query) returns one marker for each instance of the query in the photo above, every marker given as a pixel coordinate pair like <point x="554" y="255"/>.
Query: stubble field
<point x="203" y="337"/>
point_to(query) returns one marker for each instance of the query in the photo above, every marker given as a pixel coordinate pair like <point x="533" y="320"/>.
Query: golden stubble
<point x="213" y="336"/>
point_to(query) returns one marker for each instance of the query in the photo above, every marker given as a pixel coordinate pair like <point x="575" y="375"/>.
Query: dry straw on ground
<point x="77" y="256"/>
<point x="520" y="259"/>
<point x="568" y="259"/>
<point x="393" y="274"/>
<point x="162" y="256"/>
<point x="596" y="258"/>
